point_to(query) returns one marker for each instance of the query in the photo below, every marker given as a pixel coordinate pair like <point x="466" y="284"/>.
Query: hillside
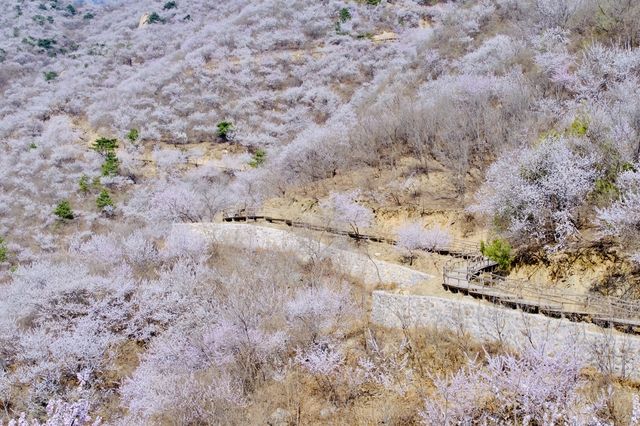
<point x="389" y="140"/>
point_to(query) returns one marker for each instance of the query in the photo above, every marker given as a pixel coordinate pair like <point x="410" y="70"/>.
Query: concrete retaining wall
<point x="607" y="349"/>
<point x="370" y="271"/>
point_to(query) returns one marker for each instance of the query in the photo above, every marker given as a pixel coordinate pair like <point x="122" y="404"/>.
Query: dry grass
<point x="315" y="400"/>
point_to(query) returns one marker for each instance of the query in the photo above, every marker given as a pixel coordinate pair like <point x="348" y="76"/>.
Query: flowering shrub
<point x="623" y="216"/>
<point x="532" y="388"/>
<point x="412" y="237"/>
<point x="60" y="413"/>
<point x="347" y="211"/>
<point x="455" y="86"/>
<point x="535" y="193"/>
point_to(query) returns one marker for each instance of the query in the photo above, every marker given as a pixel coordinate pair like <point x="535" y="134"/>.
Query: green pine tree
<point x="133" y="135"/>
<point x="345" y="15"/>
<point x="105" y="145"/>
<point x="154" y="18"/>
<point x="104" y="200"/>
<point x="83" y="183"/>
<point x="4" y="251"/>
<point x="110" y="165"/>
<point x="63" y="210"/>
<point x="224" y="130"/>
<point x="170" y="5"/>
<point x="258" y="158"/>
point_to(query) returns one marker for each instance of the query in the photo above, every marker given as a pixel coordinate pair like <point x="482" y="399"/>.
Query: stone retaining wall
<point x="607" y="349"/>
<point x="370" y="271"/>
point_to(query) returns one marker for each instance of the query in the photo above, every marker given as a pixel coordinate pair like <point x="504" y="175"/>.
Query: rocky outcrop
<point x="144" y="20"/>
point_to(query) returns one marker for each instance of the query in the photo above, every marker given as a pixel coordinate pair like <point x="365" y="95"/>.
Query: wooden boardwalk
<point x="474" y="278"/>
<point x="471" y="274"/>
<point x="457" y="248"/>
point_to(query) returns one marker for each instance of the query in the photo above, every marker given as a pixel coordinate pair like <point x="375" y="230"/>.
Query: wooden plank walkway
<point x="456" y="248"/>
<point x="474" y="279"/>
<point x="471" y="274"/>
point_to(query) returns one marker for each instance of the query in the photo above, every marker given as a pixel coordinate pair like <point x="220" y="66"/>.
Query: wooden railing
<point x="475" y="279"/>
<point x="471" y="274"/>
<point x="456" y="248"/>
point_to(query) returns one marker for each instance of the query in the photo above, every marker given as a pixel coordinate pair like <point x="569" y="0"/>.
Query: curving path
<point x="470" y="274"/>
<point x="473" y="278"/>
<point x="371" y="272"/>
<point x="608" y="350"/>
